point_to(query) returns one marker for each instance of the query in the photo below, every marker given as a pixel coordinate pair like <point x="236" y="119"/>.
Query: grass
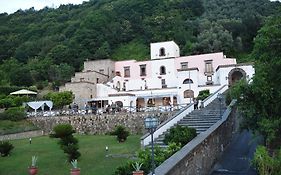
<point x="52" y="160"/>
<point x="10" y="127"/>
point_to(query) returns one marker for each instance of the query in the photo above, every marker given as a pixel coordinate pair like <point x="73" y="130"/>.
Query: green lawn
<point x="52" y="160"/>
<point x="10" y="127"/>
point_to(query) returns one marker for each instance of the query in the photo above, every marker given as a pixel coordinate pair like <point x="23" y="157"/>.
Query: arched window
<point x="162" y="70"/>
<point x="162" y="52"/>
<point x="187" y="81"/>
<point x="188" y="94"/>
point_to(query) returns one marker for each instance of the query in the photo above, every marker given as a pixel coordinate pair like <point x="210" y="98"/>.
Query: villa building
<point x="166" y="79"/>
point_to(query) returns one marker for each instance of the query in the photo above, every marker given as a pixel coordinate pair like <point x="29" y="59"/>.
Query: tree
<point x="60" y="99"/>
<point x="68" y="143"/>
<point x="260" y="101"/>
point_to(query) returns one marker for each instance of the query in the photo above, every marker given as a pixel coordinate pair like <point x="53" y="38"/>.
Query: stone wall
<point x="99" y="124"/>
<point x="199" y="155"/>
<point x="22" y="135"/>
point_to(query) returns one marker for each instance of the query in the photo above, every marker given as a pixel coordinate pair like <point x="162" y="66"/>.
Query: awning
<point x="23" y="92"/>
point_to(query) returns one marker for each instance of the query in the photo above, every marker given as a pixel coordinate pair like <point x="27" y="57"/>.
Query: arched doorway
<point x="235" y="75"/>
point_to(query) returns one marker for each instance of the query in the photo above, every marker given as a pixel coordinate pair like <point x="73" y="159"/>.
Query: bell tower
<point x="162" y="50"/>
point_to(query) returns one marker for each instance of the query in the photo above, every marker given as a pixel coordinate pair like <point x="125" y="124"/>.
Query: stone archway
<point x="235" y="75"/>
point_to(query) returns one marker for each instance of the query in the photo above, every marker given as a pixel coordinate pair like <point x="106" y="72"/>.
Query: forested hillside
<point x="49" y="45"/>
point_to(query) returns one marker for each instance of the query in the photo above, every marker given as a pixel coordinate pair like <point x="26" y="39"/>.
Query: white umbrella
<point x="23" y="92"/>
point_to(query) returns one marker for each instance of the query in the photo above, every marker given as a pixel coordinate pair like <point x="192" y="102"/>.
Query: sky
<point x="11" y="6"/>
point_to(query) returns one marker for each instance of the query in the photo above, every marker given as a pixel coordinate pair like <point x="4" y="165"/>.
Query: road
<point x="236" y="160"/>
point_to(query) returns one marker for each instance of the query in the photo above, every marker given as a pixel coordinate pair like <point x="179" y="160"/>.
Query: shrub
<point x="265" y="163"/>
<point x="180" y="135"/>
<point x="126" y="169"/>
<point x="67" y="142"/>
<point x="62" y="131"/>
<point x="13" y="114"/>
<point x="5" y="148"/>
<point x="203" y="94"/>
<point x="144" y="157"/>
<point x="121" y="133"/>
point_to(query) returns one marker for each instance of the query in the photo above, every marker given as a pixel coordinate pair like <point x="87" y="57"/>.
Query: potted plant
<point x="75" y="170"/>
<point x="32" y="170"/>
<point x="137" y="167"/>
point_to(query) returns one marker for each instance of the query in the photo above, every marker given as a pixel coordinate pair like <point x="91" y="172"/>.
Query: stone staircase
<point x="200" y="119"/>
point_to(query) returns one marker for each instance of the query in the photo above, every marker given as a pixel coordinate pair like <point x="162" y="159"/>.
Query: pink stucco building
<point x="167" y="78"/>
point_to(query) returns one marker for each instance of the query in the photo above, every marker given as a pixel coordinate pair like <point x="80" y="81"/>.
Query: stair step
<point x="201" y="120"/>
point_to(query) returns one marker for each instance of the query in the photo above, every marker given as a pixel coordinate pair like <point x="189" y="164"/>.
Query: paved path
<point x="237" y="157"/>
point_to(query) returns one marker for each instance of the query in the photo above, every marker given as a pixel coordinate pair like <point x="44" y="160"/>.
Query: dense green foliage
<point x="5" y="148"/>
<point x="51" y="160"/>
<point x="144" y="157"/>
<point x="12" y="101"/>
<point x="68" y="143"/>
<point x="180" y="135"/>
<point x="49" y="44"/>
<point x="121" y="133"/>
<point x="266" y="164"/>
<point x="13" y="114"/>
<point x="260" y="100"/>
<point x="203" y="94"/>
<point x="60" y="99"/>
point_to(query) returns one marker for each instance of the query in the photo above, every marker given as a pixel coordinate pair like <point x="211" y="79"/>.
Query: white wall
<point x="171" y="49"/>
<point x="170" y="76"/>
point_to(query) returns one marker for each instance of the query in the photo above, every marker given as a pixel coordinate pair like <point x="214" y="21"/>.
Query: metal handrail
<point x="178" y="116"/>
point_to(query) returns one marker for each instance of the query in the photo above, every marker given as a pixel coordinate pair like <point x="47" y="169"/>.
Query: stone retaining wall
<point x="22" y="135"/>
<point x="199" y="155"/>
<point x="99" y="124"/>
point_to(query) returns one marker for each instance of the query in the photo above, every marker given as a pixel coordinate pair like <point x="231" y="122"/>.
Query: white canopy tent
<point x="23" y="92"/>
<point x="37" y="104"/>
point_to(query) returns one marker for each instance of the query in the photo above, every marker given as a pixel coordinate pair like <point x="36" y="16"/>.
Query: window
<point x="163" y="82"/>
<point x="127" y="71"/>
<point x="143" y="70"/>
<point x="162" y="70"/>
<point x="162" y="52"/>
<point x="117" y="73"/>
<point x="209" y="66"/>
<point x="184" y="65"/>
<point x="209" y="80"/>
<point x="124" y="86"/>
<point x="187" y="81"/>
<point x="188" y="94"/>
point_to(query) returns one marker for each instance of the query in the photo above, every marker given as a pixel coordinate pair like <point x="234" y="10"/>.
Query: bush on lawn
<point x="5" y="148"/>
<point x="121" y="133"/>
<point x="180" y="135"/>
<point x="68" y="143"/>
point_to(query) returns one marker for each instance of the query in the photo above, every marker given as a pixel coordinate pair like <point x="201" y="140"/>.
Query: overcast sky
<point x="11" y="6"/>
